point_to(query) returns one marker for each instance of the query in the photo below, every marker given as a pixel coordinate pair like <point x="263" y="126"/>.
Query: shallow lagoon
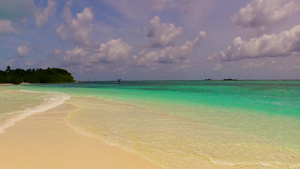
<point x="188" y="124"/>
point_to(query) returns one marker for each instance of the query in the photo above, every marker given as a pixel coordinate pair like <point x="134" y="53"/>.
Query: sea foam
<point x="51" y="100"/>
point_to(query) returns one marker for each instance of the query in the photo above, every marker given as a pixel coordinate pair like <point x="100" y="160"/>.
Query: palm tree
<point x="8" y="69"/>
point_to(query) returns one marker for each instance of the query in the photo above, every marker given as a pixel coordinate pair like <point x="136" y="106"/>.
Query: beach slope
<point x="43" y="140"/>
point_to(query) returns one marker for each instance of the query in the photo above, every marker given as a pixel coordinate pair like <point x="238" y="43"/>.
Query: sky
<point x="153" y="39"/>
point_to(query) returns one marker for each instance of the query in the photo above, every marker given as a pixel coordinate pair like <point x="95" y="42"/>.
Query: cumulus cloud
<point x="286" y="43"/>
<point x="79" y="29"/>
<point x="114" y="51"/>
<point x="23" y="50"/>
<point x="260" y="15"/>
<point x="6" y="27"/>
<point x="42" y="16"/>
<point x="169" y="54"/>
<point x="162" y="34"/>
<point x="74" y="56"/>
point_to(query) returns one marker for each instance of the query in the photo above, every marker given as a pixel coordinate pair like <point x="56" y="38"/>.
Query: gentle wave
<point x="172" y="141"/>
<point x="52" y="99"/>
<point x="274" y="164"/>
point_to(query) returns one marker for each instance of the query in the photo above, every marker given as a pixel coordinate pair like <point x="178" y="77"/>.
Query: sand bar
<point x="6" y="84"/>
<point x="43" y="140"/>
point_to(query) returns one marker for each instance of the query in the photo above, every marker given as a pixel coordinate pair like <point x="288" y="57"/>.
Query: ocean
<point x="178" y="124"/>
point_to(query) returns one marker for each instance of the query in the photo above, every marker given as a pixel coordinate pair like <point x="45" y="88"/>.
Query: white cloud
<point x="260" y="15"/>
<point x="6" y="27"/>
<point x="42" y="16"/>
<point x="169" y="54"/>
<point x="23" y="50"/>
<point x="162" y="34"/>
<point x="114" y="51"/>
<point x="75" y="59"/>
<point x="286" y="43"/>
<point x="75" y="56"/>
<point x="79" y="28"/>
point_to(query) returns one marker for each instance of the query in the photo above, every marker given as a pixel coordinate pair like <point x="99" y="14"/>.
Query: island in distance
<point x="49" y="75"/>
<point x="223" y="80"/>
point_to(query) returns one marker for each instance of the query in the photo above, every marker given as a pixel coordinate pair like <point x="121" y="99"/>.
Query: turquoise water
<point x="270" y="97"/>
<point x="188" y="124"/>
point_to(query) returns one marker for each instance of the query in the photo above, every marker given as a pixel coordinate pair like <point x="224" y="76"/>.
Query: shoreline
<point x="11" y="84"/>
<point x="44" y="140"/>
<point x="132" y="129"/>
<point x="6" y="84"/>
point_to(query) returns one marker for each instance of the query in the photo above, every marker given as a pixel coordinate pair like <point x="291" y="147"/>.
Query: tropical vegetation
<point x="49" y="75"/>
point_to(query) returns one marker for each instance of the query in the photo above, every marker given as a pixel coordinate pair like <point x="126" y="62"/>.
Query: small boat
<point x="119" y="81"/>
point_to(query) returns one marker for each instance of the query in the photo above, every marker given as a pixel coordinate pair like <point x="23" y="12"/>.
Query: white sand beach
<point x="43" y="140"/>
<point x="74" y="130"/>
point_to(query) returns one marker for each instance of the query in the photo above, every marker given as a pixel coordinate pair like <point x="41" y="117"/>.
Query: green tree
<point x="8" y="69"/>
<point x="49" y="75"/>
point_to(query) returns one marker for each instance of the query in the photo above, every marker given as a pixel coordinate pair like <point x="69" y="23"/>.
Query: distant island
<point x="49" y="75"/>
<point x="229" y="80"/>
<point x="223" y="80"/>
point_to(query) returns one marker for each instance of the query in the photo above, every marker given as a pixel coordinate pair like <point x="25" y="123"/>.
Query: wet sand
<point x="43" y="140"/>
<point x="6" y="84"/>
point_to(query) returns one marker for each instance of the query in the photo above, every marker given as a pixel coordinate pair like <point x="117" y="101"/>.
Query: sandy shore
<point x="10" y="84"/>
<point x="44" y="141"/>
<point x="6" y="84"/>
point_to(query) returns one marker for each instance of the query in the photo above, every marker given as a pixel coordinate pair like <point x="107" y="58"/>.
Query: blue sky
<point x="153" y="39"/>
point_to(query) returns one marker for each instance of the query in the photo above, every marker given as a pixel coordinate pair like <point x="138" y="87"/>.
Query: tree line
<point x="49" y="75"/>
